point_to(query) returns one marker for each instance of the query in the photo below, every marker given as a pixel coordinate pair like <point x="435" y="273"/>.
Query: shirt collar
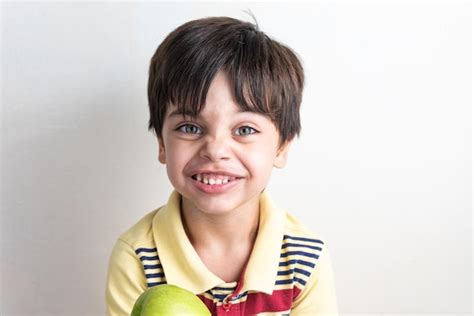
<point x="184" y="268"/>
<point x="181" y="263"/>
<point x="262" y="266"/>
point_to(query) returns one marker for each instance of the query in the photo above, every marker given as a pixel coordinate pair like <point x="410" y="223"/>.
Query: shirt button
<point x="226" y="306"/>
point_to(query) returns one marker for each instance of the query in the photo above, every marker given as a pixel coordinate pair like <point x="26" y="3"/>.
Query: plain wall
<point x="382" y="168"/>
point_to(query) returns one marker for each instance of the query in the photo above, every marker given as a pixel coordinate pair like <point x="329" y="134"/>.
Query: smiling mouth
<point x="214" y="179"/>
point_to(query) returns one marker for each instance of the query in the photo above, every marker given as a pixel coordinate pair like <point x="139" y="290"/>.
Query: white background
<point x="382" y="168"/>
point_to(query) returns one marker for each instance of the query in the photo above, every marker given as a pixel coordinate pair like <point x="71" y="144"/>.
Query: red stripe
<point x="208" y="302"/>
<point x="278" y="301"/>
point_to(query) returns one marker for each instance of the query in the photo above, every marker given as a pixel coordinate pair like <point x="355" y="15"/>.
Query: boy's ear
<point x="282" y="155"/>
<point x="161" y="151"/>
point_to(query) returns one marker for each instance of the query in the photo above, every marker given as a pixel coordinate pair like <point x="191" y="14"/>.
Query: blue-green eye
<point x="245" y="130"/>
<point x="190" y="129"/>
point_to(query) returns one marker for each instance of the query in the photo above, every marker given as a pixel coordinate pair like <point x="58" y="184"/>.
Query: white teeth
<point x="213" y="181"/>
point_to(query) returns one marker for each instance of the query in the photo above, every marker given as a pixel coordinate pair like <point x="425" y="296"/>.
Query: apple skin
<point x="169" y="300"/>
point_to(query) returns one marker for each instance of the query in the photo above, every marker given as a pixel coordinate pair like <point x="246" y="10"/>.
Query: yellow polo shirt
<point x="289" y="270"/>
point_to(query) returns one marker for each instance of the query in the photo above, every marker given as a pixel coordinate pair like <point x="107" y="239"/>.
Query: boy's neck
<point x="237" y="228"/>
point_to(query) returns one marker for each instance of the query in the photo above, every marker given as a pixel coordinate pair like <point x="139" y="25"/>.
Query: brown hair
<point x="267" y="76"/>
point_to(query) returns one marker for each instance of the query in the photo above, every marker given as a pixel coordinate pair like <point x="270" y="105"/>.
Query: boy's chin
<point x="215" y="207"/>
<point x="209" y="205"/>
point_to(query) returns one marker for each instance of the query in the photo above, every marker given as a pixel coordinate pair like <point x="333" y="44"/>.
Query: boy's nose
<point x="215" y="149"/>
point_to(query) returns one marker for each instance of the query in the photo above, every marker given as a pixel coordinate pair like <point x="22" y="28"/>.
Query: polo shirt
<point x="289" y="270"/>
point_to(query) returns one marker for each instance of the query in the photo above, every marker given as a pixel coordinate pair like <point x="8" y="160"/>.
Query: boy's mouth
<point x="213" y="179"/>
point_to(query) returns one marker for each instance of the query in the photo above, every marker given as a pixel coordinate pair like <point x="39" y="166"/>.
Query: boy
<point x="224" y="102"/>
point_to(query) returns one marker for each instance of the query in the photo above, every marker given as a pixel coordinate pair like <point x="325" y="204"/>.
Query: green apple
<point x="169" y="300"/>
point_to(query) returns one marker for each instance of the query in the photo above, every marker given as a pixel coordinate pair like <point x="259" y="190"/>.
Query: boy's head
<point x="266" y="76"/>
<point x="224" y="102"/>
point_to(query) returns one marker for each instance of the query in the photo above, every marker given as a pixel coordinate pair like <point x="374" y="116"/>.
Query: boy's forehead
<point x="173" y="110"/>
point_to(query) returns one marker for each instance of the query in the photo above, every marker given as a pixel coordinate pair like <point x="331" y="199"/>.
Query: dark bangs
<point x="267" y="77"/>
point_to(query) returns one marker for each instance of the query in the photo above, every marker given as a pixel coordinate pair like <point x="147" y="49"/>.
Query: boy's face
<point x="222" y="160"/>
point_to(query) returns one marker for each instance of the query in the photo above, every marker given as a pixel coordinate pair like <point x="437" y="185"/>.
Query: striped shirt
<point x="289" y="270"/>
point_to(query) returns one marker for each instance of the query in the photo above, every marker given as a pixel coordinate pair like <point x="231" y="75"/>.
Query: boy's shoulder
<point x="141" y="232"/>
<point x="296" y="229"/>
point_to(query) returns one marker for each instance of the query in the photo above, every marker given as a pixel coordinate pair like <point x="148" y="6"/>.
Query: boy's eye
<point x="245" y="130"/>
<point x="190" y="129"/>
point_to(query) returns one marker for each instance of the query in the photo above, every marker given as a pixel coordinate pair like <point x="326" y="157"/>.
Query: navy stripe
<point x="155" y="283"/>
<point x="300" y="271"/>
<point x="300" y="281"/>
<point x="218" y="288"/>
<point x="290" y="281"/>
<point x="154" y="275"/>
<point x="280" y="282"/>
<point x="240" y="296"/>
<point x="300" y="253"/>
<point x="285" y="272"/>
<point x="304" y="239"/>
<point x="149" y="258"/>
<point x="220" y="297"/>
<point x="140" y="250"/>
<point x="300" y="245"/>
<point x="305" y="263"/>
<point x="152" y="266"/>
